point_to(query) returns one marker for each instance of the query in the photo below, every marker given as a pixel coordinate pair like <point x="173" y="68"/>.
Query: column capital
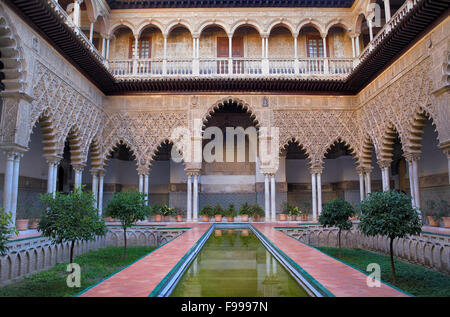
<point x="269" y="171"/>
<point x="78" y="167"/>
<point x="410" y="157"/>
<point x="384" y="163"/>
<point x="445" y="147"/>
<point x="316" y="169"/>
<point x="143" y="170"/>
<point x="97" y="171"/>
<point x="364" y="169"/>
<point x="53" y="159"/>
<point x="12" y="150"/>
<point x="192" y="171"/>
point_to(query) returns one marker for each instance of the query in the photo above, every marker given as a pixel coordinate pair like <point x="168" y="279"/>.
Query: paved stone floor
<point x="338" y="278"/>
<point x="140" y="278"/>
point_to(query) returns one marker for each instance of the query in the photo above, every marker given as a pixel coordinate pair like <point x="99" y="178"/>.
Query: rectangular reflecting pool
<point x="234" y="263"/>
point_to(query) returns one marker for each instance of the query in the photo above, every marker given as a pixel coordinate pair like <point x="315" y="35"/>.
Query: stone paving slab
<point x="339" y="278"/>
<point x="140" y="278"/>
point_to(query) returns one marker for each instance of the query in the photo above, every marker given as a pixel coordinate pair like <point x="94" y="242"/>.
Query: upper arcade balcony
<point x="335" y="50"/>
<point x="243" y="49"/>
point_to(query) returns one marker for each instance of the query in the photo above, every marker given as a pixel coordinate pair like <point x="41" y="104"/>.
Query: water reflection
<point x="234" y="263"/>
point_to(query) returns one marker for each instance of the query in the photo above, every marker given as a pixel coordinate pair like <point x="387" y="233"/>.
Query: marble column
<point x="141" y="183"/>
<point x="361" y="185"/>
<point x="387" y="10"/>
<point x="8" y="181"/>
<point x="95" y="186"/>
<point x="15" y="184"/>
<point x="76" y="12"/>
<point x="195" y="199"/>
<point x="369" y="23"/>
<point x="357" y="46"/>
<point x="55" y="178"/>
<point x="272" y="198"/>
<point x="91" y="32"/>
<point x="146" y="188"/>
<point x="267" y="215"/>
<point x="78" y="175"/>
<point x="50" y="177"/>
<point x="189" y="198"/>
<point x="411" y="182"/>
<point x="101" y="176"/>
<point x="314" y="196"/>
<point x="368" y="179"/>
<point x="319" y="193"/>
<point x="416" y="183"/>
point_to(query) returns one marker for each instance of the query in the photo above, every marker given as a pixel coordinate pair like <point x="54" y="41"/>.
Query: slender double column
<point x="385" y="171"/>
<point x="364" y="181"/>
<point x="101" y="175"/>
<point x="53" y="162"/>
<point x="316" y="191"/>
<point x="272" y="198"/>
<point x="192" y="195"/>
<point x="413" y="171"/>
<point x="267" y="213"/>
<point x="78" y="168"/>
<point x="11" y="182"/>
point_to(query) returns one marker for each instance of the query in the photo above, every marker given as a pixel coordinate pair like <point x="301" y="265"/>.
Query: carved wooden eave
<point x="43" y="18"/>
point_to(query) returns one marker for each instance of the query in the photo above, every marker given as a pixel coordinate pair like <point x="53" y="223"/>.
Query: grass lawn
<point x="95" y="265"/>
<point x="414" y="279"/>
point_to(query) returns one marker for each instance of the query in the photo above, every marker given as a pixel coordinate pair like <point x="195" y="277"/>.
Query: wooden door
<point x="222" y="52"/>
<point x="238" y="51"/>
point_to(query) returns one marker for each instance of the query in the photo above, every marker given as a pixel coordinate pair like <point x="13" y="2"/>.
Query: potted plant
<point x="444" y="212"/>
<point x="167" y="212"/>
<point x="206" y="213"/>
<point x="293" y="212"/>
<point x="307" y="210"/>
<point x="218" y="213"/>
<point x="179" y="213"/>
<point x="244" y="212"/>
<point x="433" y="216"/>
<point x="35" y="216"/>
<point x="22" y="217"/>
<point x="257" y="212"/>
<point x="285" y="211"/>
<point x="156" y="210"/>
<point x="230" y="213"/>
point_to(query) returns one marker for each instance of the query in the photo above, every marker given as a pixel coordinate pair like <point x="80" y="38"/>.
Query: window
<point x="315" y="46"/>
<point x="145" y="47"/>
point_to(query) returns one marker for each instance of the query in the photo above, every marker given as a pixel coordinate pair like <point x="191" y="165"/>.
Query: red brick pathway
<point x="338" y="278"/>
<point x="140" y="278"/>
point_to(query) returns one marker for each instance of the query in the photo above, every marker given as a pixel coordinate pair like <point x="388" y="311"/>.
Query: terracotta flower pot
<point x="244" y="218"/>
<point x="218" y="218"/>
<point x="22" y="224"/>
<point x="283" y="217"/>
<point x="304" y="217"/>
<point x="446" y="222"/>
<point x="257" y="218"/>
<point x="230" y="219"/>
<point x="432" y="222"/>
<point x="293" y="217"/>
<point x="179" y="218"/>
<point x="158" y="218"/>
<point x="34" y="224"/>
<point x="205" y="218"/>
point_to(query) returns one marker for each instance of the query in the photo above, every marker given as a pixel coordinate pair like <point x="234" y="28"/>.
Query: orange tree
<point x="389" y="214"/>
<point x="128" y="207"/>
<point x="336" y="213"/>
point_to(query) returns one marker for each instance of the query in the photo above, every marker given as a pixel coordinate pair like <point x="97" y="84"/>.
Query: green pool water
<point x="234" y="263"/>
